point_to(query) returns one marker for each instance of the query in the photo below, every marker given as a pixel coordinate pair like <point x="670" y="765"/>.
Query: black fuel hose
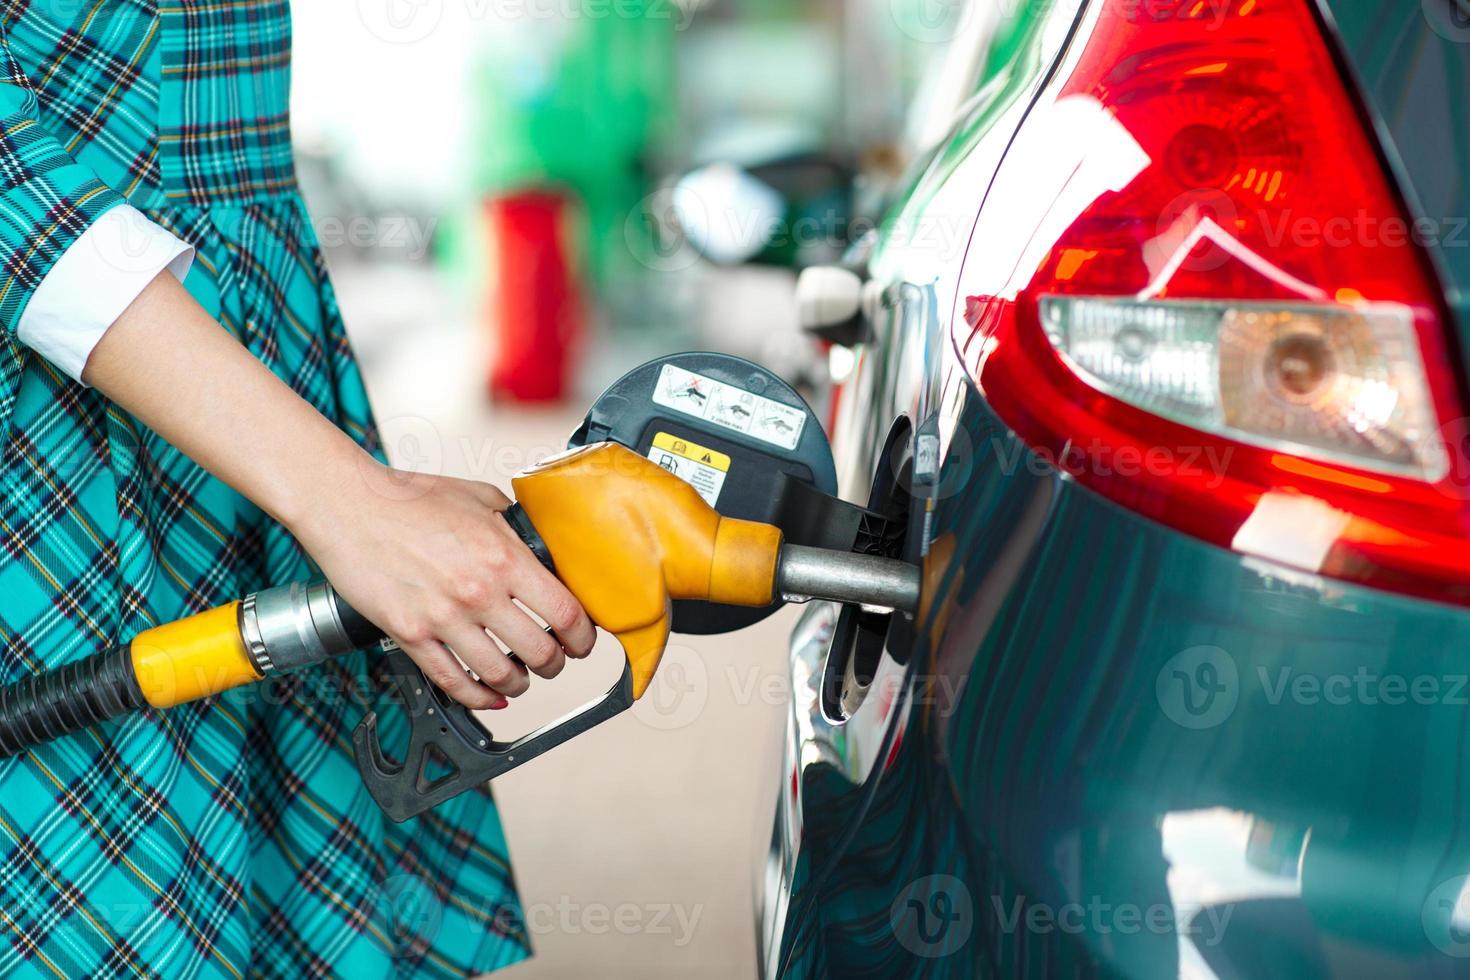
<point x="59" y="702"/>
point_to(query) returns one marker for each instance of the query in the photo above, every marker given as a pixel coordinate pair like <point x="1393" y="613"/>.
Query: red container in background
<point x="535" y="306"/>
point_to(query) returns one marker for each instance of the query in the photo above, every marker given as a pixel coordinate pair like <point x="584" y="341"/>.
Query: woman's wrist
<point x="328" y="490"/>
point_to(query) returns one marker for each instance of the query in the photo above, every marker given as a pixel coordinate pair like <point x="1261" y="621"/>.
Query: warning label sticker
<point x="703" y="469"/>
<point x="729" y="406"/>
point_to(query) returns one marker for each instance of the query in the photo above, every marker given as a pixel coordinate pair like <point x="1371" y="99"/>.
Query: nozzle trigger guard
<point x="444" y="733"/>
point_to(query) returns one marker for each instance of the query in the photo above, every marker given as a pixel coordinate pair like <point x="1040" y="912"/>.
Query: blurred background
<point x="515" y="200"/>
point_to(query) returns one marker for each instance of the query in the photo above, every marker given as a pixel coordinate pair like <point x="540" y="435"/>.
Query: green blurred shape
<point x="573" y="95"/>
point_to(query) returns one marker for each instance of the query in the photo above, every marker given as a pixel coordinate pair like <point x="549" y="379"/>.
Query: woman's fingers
<point x="443" y="671"/>
<point x="474" y="646"/>
<point x="545" y="596"/>
<point x="532" y="645"/>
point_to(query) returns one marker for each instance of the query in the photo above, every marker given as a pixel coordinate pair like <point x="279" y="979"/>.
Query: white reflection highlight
<point x="1205" y="228"/>
<point x="1209" y="865"/>
<point x="1067" y="155"/>
<point x="1291" y="528"/>
<point x="728" y="214"/>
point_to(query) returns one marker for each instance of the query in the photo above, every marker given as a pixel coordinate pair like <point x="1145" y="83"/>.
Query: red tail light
<point x="1219" y="316"/>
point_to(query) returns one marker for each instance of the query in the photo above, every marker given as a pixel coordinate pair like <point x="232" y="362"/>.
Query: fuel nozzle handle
<point x="627" y="537"/>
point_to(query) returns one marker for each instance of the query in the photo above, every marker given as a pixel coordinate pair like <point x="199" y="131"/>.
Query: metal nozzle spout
<point x="872" y="580"/>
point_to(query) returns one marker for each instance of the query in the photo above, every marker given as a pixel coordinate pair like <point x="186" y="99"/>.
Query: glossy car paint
<point x="1105" y="747"/>
<point x="1411" y="67"/>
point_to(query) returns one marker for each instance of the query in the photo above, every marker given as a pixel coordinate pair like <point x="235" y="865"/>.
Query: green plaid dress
<point x="231" y="837"/>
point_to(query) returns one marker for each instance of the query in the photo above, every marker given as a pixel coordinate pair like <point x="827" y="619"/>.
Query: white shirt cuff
<point x="94" y="281"/>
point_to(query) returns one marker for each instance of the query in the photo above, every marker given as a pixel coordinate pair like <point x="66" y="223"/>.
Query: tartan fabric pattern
<point x="242" y="147"/>
<point x="231" y="837"/>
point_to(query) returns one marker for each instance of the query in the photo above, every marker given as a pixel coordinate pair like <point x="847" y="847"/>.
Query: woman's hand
<point x="431" y="560"/>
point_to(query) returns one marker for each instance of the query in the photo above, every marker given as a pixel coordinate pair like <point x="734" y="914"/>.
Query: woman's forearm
<point x="172" y="366"/>
<point x="427" y="558"/>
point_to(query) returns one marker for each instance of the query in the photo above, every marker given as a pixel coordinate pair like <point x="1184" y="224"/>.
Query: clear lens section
<point x="1338" y="383"/>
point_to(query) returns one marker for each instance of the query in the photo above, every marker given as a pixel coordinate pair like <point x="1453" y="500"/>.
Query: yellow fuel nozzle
<point x="627" y="537"/>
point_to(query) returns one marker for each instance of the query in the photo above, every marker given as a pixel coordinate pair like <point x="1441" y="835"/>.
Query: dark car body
<point x="1016" y="790"/>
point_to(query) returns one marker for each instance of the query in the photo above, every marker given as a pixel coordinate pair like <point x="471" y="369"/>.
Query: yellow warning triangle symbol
<point x="707" y="458"/>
